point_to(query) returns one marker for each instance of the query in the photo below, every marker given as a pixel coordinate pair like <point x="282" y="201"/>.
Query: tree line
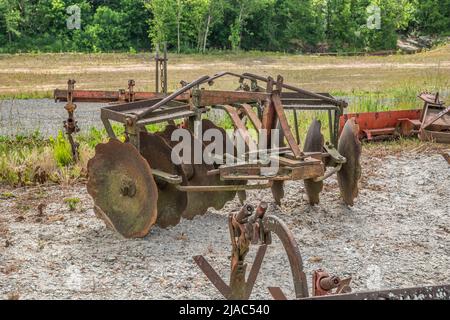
<point x="204" y="25"/>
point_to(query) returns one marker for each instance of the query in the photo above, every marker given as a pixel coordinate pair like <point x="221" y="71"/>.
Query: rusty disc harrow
<point x="123" y="188"/>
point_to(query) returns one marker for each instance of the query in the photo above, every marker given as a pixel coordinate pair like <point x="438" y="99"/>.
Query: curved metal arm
<point x="277" y="226"/>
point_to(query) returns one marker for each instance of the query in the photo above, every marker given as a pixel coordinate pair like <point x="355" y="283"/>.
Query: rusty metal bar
<point x="172" y="96"/>
<point x="212" y="275"/>
<point x="247" y="109"/>
<point x="255" y="269"/>
<point x="240" y="126"/>
<point x="297" y="133"/>
<point x="225" y="187"/>
<point x="277" y="293"/>
<point x="218" y="97"/>
<point x="440" y="292"/>
<point x="305" y="92"/>
<point x="107" y="96"/>
<point x="285" y="125"/>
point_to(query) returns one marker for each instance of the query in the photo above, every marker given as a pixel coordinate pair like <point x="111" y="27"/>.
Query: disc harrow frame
<point x="136" y="110"/>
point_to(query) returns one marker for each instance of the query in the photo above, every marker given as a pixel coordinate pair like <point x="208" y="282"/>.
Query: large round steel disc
<point x="277" y="191"/>
<point x="123" y="189"/>
<point x="350" y="147"/>
<point x="187" y="168"/>
<point x="313" y="143"/>
<point x="171" y="201"/>
<point x="196" y="174"/>
<point x="197" y="202"/>
<point x="221" y="198"/>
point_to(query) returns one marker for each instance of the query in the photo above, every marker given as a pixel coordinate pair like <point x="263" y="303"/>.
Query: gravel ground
<point x="28" y="116"/>
<point x="397" y="235"/>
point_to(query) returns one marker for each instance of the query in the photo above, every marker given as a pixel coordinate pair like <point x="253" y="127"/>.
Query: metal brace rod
<point x="172" y="96"/>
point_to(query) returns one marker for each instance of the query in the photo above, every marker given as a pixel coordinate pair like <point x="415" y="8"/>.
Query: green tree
<point x="11" y="18"/>
<point x="163" y="23"/>
<point x="433" y="16"/>
<point x="244" y="10"/>
<point x="106" y="32"/>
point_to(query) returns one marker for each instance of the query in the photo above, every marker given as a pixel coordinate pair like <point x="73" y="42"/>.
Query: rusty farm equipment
<point x="431" y="123"/>
<point x="252" y="226"/>
<point x="136" y="184"/>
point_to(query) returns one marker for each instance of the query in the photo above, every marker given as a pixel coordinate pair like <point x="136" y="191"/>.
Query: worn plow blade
<point x="313" y="143"/>
<point x="219" y="199"/>
<point x="171" y="201"/>
<point x="196" y="174"/>
<point x="441" y="292"/>
<point x="350" y="147"/>
<point x="122" y="186"/>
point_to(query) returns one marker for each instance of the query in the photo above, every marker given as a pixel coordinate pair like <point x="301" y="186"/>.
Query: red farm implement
<point x="431" y="123"/>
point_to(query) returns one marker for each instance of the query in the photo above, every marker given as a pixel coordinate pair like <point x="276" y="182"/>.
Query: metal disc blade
<point x="123" y="189"/>
<point x="196" y="175"/>
<point x="188" y="169"/>
<point x="171" y="201"/>
<point x="219" y="199"/>
<point x="277" y="191"/>
<point x="313" y="143"/>
<point x="350" y="147"/>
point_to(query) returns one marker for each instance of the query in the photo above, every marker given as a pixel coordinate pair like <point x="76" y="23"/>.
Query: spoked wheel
<point x="314" y="143"/>
<point x="242" y="236"/>
<point x="350" y="147"/>
<point x="123" y="189"/>
<point x="171" y="201"/>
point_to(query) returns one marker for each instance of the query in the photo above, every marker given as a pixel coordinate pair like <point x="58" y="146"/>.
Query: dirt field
<point x="28" y="73"/>
<point x="397" y="235"/>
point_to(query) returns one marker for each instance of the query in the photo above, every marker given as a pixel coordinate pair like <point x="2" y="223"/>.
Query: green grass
<point x="72" y="203"/>
<point x="61" y="150"/>
<point x="27" y="95"/>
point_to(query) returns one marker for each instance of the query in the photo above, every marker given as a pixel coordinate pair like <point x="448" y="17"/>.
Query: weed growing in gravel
<point x="6" y="195"/>
<point x="61" y="150"/>
<point x="72" y="203"/>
